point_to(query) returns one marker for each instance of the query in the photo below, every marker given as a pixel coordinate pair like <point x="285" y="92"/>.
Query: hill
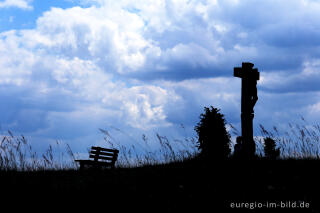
<point x="186" y="186"/>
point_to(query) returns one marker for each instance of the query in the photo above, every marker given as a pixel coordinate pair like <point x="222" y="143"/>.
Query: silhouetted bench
<point x="102" y="157"/>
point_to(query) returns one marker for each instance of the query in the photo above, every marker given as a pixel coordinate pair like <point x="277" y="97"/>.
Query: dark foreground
<point x="179" y="187"/>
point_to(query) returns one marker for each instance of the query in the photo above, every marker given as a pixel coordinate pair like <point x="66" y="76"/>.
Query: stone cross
<point x="249" y="77"/>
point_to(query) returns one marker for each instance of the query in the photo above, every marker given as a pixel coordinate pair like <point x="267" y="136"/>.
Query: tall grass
<point x="18" y="155"/>
<point x="300" y="140"/>
<point x="160" y="150"/>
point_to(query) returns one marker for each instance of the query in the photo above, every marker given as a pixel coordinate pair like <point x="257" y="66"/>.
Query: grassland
<point x="175" y="187"/>
<point x="175" y="181"/>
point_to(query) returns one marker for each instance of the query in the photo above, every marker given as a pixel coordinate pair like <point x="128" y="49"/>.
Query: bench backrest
<point x="99" y="153"/>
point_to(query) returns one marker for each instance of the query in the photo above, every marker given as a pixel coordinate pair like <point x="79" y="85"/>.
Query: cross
<point x="249" y="77"/>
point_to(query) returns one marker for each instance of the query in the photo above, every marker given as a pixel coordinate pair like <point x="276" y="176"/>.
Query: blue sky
<point x="68" y="68"/>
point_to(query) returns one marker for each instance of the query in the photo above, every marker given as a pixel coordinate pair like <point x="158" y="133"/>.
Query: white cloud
<point x="76" y="59"/>
<point x="143" y="107"/>
<point x="100" y="34"/>
<point x="311" y="68"/>
<point x="22" y="4"/>
<point x="303" y="79"/>
<point x="153" y="64"/>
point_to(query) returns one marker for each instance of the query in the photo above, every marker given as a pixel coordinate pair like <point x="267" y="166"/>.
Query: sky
<point x="70" y="67"/>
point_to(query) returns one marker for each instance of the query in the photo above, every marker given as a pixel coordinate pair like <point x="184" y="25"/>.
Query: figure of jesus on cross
<point x="249" y="97"/>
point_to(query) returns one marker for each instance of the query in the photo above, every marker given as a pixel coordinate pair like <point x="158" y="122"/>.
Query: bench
<point x="102" y="157"/>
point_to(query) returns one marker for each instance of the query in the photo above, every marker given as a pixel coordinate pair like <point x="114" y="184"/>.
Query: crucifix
<point x="249" y="96"/>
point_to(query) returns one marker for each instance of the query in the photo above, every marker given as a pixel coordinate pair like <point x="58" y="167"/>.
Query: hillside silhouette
<point x="175" y="187"/>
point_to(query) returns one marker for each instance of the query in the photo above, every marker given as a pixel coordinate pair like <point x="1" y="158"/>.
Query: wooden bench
<point x="102" y="157"/>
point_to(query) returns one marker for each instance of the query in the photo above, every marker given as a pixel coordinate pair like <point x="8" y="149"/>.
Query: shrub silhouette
<point x="213" y="138"/>
<point x="270" y="150"/>
<point x="238" y="148"/>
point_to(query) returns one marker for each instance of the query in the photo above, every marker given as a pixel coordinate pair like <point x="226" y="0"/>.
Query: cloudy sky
<point x="70" y="67"/>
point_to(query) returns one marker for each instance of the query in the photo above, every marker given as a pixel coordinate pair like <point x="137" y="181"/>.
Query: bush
<point x="270" y="150"/>
<point x="213" y="138"/>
